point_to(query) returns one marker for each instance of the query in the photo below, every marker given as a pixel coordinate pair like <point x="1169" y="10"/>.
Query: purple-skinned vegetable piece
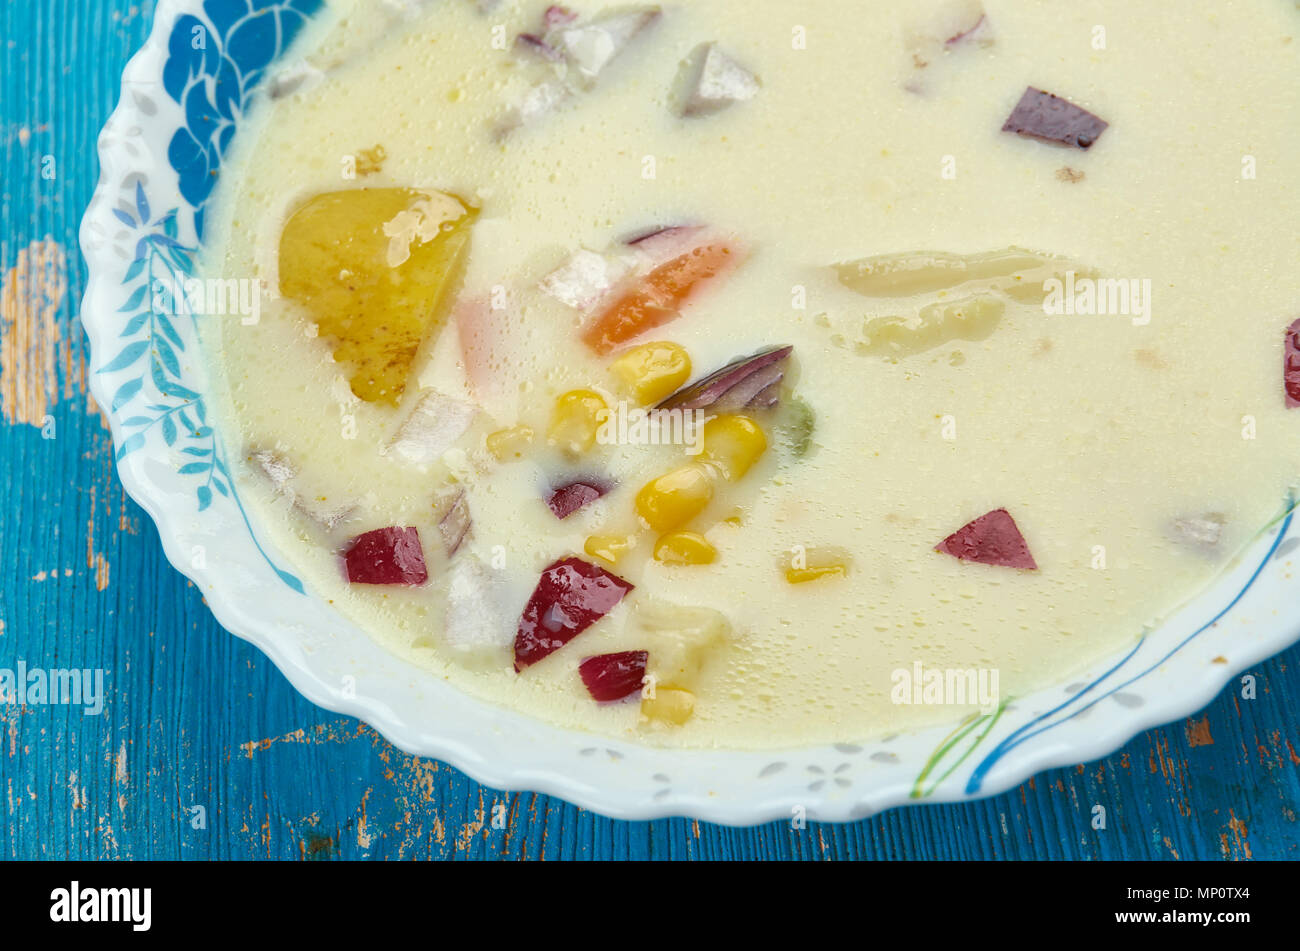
<point x="752" y="382"/>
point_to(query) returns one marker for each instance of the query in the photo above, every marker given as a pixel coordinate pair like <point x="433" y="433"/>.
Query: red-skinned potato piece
<point x="571" y="595"/>
<point x="567" y="499"/>
<point x="386" y="556"/>
<point x="1291" y="366"/>
<point x="748" y="383"/>
<point x="991" y="539"/>
<point x="610" y="677"/>
<point x="1049" y="118"/>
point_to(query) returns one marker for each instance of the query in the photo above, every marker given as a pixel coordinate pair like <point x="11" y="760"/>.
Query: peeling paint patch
<point x="364" y="837"/>
<point x="96" y="564"/>
<point x="466" y="836"/>
<point x="1198" y="732"/>
<point x="1238" y="847"/>
<point x="31" y="345"/>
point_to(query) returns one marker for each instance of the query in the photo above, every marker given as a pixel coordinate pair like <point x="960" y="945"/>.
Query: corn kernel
<point x="672" y="500"/>
<point x="669" y="705"/>
<point x="733" y="444"/>
<point x="609" y="548"/>
<point x="576" y="420"/>
<point x="510" y="443"/>
<point x="653" y="371"/>
<point x="685" y="548"/>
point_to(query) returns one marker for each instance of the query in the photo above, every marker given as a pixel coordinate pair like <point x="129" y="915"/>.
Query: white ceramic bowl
<point x="182" y="96"/>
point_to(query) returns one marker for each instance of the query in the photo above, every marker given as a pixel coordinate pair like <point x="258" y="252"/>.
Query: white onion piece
<point x="584" y="280"/>
<point x="718" y="82"/>
<point x="433" y="427"/>
<point x="592" y="47"/>
<point x="1202" y="532"/>
<point x="540" y="100"/>
<point x="478" y="616"/>
<point x="283" y="476"/>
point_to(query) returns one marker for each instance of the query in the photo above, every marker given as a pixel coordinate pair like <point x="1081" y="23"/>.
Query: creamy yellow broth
<point x="1099" y="433"/>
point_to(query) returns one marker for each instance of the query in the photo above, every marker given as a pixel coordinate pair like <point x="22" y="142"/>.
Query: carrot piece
<point x="659" y="297"/>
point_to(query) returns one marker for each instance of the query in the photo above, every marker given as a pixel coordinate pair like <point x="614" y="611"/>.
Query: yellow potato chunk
<point x="377" y="270"/>
<point x="653" y="371"/>
<point x="672" y="500"/>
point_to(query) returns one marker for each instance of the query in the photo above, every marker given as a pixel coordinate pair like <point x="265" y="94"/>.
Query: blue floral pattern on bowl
<point x="213" y="69"/>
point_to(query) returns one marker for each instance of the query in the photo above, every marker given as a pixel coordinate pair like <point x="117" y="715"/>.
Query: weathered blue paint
<point x="195" y="718"/>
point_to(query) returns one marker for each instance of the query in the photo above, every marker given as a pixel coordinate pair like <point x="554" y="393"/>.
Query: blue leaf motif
<point x="169" y="431"/>
<point x="134" y="301"/>
<point x="255" y="41"/>
<point x="128" y="356"/>
<point x="130" y="445"/>
<point x="124" y="217"/>
<point x="126" y="392"/>
<point x="224" y="14"/>
<point x="192" y="468"/>
<point x="191" y="51"/>
<point x="200" y="114"/>
<point x="205" y="497"/>
<point x="189" y="159"/>
<point x="167" y="355"/>
<point x="228" y="91"/>
<point x="170" y="332"/>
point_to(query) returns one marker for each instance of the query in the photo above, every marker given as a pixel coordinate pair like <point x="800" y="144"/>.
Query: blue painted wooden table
<point x="196" y="725"/>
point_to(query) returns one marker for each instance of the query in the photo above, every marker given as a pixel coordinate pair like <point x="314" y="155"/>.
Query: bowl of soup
<point x="717" y="409"/>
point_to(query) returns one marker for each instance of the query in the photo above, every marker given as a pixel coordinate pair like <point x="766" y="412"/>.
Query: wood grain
<point x="195" y="718"/>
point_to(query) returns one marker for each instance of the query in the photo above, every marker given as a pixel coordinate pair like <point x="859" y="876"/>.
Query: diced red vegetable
<point x="571" y="595"/>
<point x="610" y="677"/>
<point x="991" y="539"/>
<point x="1040" y="115"/>
<point x="1291" y="366"/>
<point x="748" y="383"/>
<point x="386" y="556"/>
<point x="659" y="297"/>
<point x="567" y="499"/>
